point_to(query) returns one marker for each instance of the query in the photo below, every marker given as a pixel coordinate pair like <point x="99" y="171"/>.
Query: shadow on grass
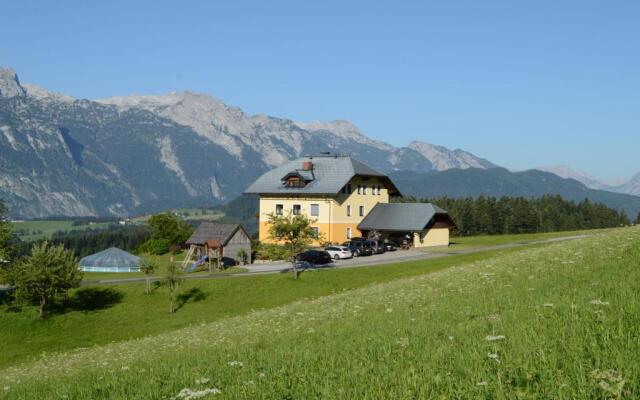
<point x="90" y="299"/>
<point x="193" y="295"/>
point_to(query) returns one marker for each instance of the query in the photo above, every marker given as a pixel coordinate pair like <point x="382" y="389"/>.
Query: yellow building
<point x="337" y="193"/>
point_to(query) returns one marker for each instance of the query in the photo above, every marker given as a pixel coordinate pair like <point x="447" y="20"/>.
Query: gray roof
<point x="400" y="216"/>
<point x="209" y="230"/>
<point x="111" y="258"/>
<point x="330" y="174"/>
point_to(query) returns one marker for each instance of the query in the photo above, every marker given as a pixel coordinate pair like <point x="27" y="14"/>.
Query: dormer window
<point x="297" y="179"/>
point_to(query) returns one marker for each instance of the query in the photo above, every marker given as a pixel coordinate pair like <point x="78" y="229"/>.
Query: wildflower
<point x="6" y="388"/>
<point x="599" y="302"/>
<point x="262" y="375"/>
<point x="450" y="337"/>
<point x="235" y="363"/>
<point x="389" y="310"/>
<point x="549" y="305"/>
<point x="188" y="394"/>
<point x="483" y="383"/>
<point x="491" y="338"/>
<point x="125" y="367"/>
<point x="202" y="381"/>
<point x="494" y="357"/>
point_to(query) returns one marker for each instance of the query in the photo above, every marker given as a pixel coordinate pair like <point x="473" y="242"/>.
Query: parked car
<point x="376" y="246"/>
<point x="339" y="252"/>
<point x="359" y="248"/>
<point x="314" y="257"/>
<point x="390" y="246"/>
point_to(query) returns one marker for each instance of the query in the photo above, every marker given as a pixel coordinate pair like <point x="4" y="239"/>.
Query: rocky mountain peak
<point x="10" y="84"/>
<point x="443" y="158"/>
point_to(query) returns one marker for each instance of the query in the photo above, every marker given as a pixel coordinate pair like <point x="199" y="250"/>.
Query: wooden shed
<point x="219" y="241"/>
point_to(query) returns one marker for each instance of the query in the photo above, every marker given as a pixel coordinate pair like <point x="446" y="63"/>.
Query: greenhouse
<point x="111" y="260"/>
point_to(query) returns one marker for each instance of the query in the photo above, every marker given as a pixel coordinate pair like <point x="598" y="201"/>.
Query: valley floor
<point x="549" y="321"/>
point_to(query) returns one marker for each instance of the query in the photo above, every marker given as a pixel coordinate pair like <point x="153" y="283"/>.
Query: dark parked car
<point x="390" y="246"/>
<point x="376" y="246"/>
<point x="314" y="257"/>
<point x="359" y="248"/>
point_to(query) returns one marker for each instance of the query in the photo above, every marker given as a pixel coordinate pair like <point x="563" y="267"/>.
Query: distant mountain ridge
<point x="132" y="154"/>
<point x="631" y="187"/>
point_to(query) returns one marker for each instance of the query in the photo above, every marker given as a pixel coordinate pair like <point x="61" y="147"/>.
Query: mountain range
<point x="631" y="187"/>
<point x="137" y="154"/>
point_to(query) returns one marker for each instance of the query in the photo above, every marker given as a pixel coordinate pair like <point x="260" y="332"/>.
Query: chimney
<point x="307" y="165"/>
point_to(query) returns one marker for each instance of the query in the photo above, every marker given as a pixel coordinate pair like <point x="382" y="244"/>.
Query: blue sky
<point x="520" y="83"/>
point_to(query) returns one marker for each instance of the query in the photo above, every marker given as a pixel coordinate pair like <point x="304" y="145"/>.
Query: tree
<point x="48" y="272"/>
<point x="148" y="268"/>
<point x="638" y="219"/>
<point x="242" y="256"/>
<point x="167" y="230"/>
<point x="6" y="235"/>
<point x="172" y="279"/>
<point x="294" y="231"/>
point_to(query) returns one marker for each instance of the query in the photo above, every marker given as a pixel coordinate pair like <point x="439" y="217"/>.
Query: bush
<point x="273" y="252"/>
<point x="158" y="246"/>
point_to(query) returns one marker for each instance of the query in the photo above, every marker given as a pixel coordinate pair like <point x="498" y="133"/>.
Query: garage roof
<point x="402" y="217"/>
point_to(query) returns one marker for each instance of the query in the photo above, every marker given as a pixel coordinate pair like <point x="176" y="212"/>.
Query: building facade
<point x="346" y="198"/>
<point x="336" y="192"/>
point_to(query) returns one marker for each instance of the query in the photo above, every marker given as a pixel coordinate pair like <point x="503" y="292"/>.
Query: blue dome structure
<point x="111" y="260"/>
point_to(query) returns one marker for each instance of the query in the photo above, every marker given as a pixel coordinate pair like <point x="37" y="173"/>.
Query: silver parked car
<point x="339" y="252"/>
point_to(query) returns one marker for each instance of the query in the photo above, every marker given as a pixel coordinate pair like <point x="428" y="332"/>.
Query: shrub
<point x="158" y="246"/>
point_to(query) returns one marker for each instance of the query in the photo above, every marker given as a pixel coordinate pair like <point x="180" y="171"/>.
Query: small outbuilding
<point x="218" y="241"/>
<point x="420" y="224"/>
<point x="111" y="260"/>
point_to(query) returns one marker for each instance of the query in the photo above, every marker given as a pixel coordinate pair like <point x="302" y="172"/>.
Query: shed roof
<point x="209" y="230"/>
<point x="401" y="217"/>
<point x="112" y="257"/>
<point x="330" y="174"/>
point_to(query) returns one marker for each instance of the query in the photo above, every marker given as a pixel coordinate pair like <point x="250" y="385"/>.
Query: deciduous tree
<point x="294" y="231"/>
<point x="48" y="272"/>
<point x="173" y="277"/>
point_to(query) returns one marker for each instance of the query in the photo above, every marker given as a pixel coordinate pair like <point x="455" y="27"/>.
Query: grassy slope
<point x="48" y="228"/>
<point x="558" y="321"/>
<point x="133" y="314"/>
<point x="469" y="242"/>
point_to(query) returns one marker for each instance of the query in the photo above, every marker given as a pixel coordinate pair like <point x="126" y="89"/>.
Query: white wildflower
<point x="492" y="338"/>
<point x="389" y="310"/>
<point x="262" y="375"/>
<point x="235" y="363"/>
<point x="483" y="383"/>
<point x="494" y="356"/>
<point x="450" y="337"/>
<point x="188" y="394"/>
<point x="599" y="302"/>
<point x="202" y="381"/>
<point x="549" y="305"/>
<point x="7" y="388"/>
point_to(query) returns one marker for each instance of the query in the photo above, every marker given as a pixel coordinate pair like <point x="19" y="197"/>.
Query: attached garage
<point x="422" y="224"/>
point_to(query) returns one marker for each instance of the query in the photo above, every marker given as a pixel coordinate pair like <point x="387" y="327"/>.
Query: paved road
<point x="386" y="258"/>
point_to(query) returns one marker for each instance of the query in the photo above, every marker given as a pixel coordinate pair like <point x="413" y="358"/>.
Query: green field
<point x="188" y="214"/>
<point x="472" y="242"/>
<point x="44" y="229"/>
<point x="548" y="321"/>
<point x="123" y="311"/>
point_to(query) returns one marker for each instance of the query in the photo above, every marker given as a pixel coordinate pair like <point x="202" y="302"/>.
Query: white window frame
<point x="361" y="211"/>
<point x="317" y="207"/>
<point x="349" y="233"/>
<point x="293" y="209"/>
<point x="281" y="209"/>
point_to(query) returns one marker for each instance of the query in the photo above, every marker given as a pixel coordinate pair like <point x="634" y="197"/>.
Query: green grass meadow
<point x="47" y="228"/>
<point x="556" y="321"/>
